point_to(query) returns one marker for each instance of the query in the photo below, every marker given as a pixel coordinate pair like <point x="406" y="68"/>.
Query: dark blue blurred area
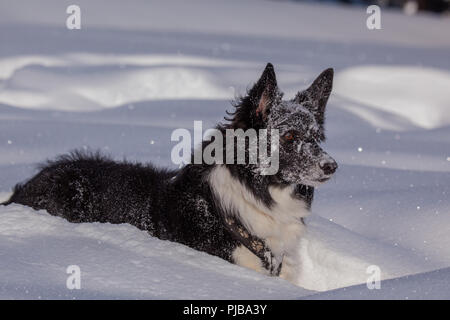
<point x="409" y="6"/>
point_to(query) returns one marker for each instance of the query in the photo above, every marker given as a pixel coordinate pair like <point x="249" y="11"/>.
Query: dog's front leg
<point x="273" y="263"/>
<point x="290" y="268"/>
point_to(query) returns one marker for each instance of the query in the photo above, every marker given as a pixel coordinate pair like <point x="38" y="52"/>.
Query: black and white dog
<point x="227" y="210"/>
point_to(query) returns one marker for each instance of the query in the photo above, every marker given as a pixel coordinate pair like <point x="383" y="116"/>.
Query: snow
<point x="404" y="91"/>
<point x="428" y="285"/>
<point x="61" y="89"/>
<point x="116" y="261"/>
<point x="135" y="73"/>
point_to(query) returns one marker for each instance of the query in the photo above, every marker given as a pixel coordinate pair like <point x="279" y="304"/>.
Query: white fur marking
<point x="280" y="225"/>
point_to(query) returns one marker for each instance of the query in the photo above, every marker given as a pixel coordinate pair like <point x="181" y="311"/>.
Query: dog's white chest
<point x="280" y="225"/>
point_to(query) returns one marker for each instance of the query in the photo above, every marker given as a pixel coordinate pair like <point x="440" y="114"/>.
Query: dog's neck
<point x="274" y="217"/>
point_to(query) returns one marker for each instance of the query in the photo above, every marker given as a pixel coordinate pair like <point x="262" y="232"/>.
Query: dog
<point x="227" y="210"/>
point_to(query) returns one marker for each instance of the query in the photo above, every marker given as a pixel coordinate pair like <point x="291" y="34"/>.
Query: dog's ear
<point x="253" y="109"/>
<point x="316" y="96"/>
<point x="264" y="92"/>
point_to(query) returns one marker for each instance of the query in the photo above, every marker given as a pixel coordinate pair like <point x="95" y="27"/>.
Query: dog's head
<point x="300" y="123"/>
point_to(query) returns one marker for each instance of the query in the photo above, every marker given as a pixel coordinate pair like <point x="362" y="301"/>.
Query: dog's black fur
<point x="172" y="205"/>
<point x="84" y="187"/>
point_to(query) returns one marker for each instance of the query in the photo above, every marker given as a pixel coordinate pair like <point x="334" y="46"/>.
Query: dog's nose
<point x="328" y="167"/>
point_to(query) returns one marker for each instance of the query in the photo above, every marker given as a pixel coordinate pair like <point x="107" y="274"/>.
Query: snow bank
<point x="116" y="261"/>
<point x="333" y="257"/>
<point x="81" y="82"/>
<point x="430" y="285"/>
<point x="419" y="95"/>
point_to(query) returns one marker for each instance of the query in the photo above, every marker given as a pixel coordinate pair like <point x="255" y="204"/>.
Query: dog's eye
<point x="289" y="137"/>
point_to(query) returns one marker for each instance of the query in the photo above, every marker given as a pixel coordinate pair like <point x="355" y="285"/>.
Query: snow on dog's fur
<point x="228" y="210"/>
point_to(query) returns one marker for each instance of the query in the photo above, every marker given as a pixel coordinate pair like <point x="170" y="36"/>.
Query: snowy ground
<point x="134" y="73"/>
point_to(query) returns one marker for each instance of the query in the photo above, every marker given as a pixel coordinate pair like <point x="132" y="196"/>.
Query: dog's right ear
<point x="316" y="96"/>
<point x="253" y="109"/>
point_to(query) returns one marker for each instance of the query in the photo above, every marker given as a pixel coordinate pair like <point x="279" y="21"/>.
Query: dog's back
<point x="84" y="187"/>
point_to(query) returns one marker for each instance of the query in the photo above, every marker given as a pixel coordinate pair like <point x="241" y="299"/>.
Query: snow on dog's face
<point x="301" y="159"/>
<point x="300" y="123"/>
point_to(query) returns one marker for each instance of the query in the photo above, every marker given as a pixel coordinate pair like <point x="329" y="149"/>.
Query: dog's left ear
<point x="316" y="96"/>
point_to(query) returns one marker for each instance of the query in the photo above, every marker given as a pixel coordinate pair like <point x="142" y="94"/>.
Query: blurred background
<point x="408" y="6"/>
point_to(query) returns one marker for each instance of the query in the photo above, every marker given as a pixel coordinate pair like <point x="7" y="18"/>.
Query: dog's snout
<point x="329" y="167"/>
